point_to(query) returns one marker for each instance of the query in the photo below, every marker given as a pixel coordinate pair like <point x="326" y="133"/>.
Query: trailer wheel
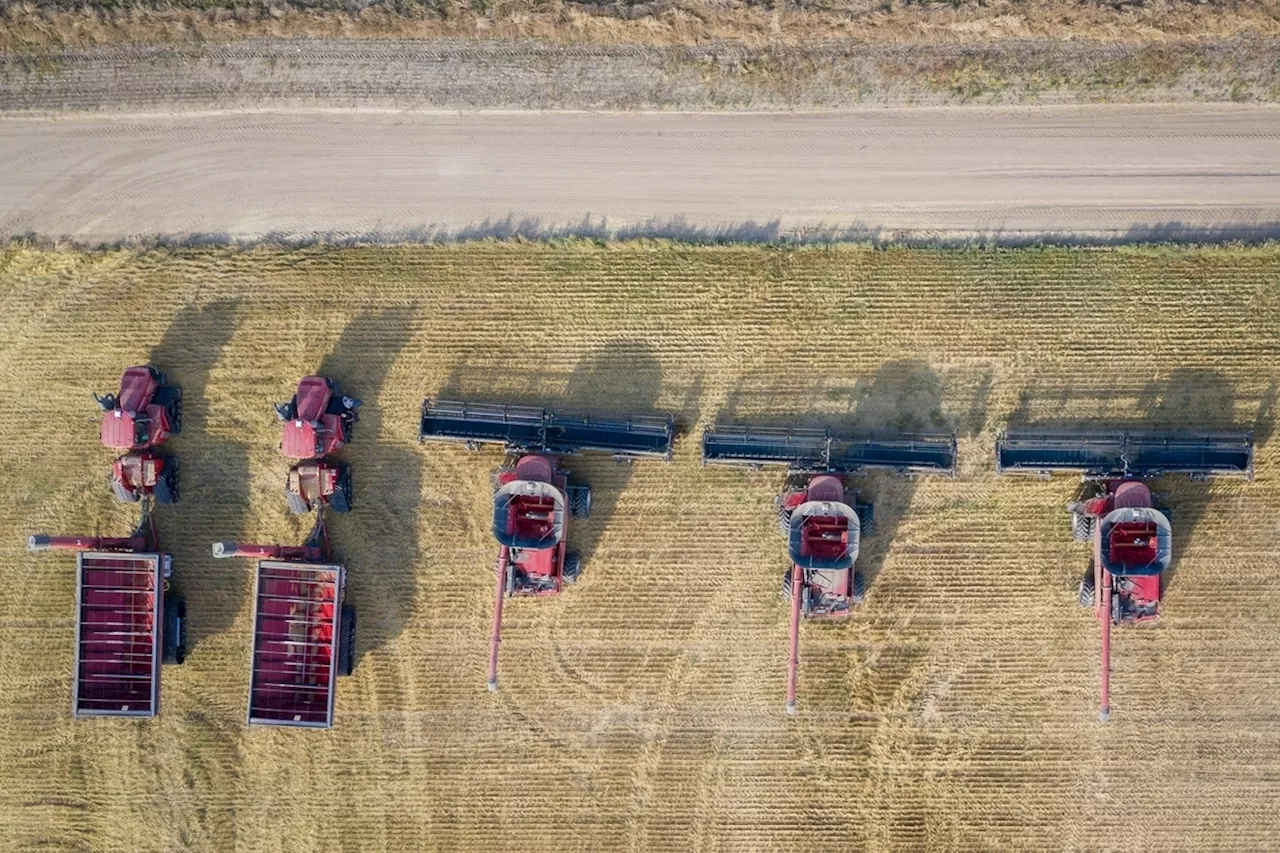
<point x="579" y="501"/>
<point x="1085" y="593"/>
<point x="340" y="500"/>
<point x="866" y="519"/>
<point x="122" y="492"/>
<point x="859" y="586"/>
<point x="572" y="567"/>
<point x="784" y="519"/>
<point x="166" y="488"/>
<point x="297" y="503"/>
<point x="347" y="641"/>
<point x="175" y="629"/>
<point x="1081" y="527"/>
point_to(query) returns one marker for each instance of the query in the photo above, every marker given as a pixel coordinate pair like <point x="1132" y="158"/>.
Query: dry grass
<point x="44" y="26"/>
<point x="643" y="710"/>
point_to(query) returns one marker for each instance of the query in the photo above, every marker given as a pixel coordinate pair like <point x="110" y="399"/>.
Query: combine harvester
<point x="137" y="420"/>
<point x="318" y="421"/>
<point x="303" y="635"/>
<point x="533" y="499"/>
<point x="817" y="514"/>
<point x="127" y="621"/>
<point x="1132" y="539"/>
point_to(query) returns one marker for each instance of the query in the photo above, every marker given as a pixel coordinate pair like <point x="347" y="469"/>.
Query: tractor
<point x="533" y="498"/>
<point x="304" y="636"/>
<point x="818" y="514"/>
<point x="137" y="420"/>
<point x="128" y="622"/>
<point x="318" y="421"/>
<point x="1131" y="539"/>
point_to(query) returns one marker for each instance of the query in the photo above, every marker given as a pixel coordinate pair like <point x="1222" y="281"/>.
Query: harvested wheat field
<point x="643" y="709"/>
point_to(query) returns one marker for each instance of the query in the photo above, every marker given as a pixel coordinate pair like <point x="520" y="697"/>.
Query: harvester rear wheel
<point x="1085" y="593"/>
<point x="1081" y="527"/>
<point x="340" y="500"/>
<point x="122" y="492"/>
<point x="175" y="629"/>
<point x="579" y="501"/>
<point x="166" y="488"/>
<point x="347" y="641"/>
<point x="859" y="587"/>
<point x="572" y="567"/>
<point x="297" y="503"/>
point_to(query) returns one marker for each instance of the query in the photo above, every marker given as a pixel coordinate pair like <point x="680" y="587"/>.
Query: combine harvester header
<point x="530" y="429"/>
<point x="1131" y="538"/>
<point x="819" y="516"/>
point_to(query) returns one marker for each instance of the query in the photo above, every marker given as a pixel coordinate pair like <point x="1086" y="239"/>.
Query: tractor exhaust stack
<point x="495" y="637"/>
<point x="793" y="665"/>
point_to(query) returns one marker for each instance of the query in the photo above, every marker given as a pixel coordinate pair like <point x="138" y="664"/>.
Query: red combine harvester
<point x="303" y="635"/>
<point x="318" y="421"/>
<point x="1132" y="539"/>
<point x="533" y="498"/>
<point x="821" y="520"/>
<point x="145" y="413"/>
<point x="127" y="621"/>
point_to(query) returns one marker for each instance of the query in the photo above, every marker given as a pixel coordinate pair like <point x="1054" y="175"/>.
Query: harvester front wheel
<point x="122" y="492"/>
<point x="347" y="641"/>
<point x="297" y="503"/>
<point x="579" y="501"/>
<point x="1085" y="592"/>
<point x="340" y="500"/>
<point x="1081" y="527"/>
<point x="866" y="519"/>
<point x="784" y="519"/>
<point x="572" y="567"/>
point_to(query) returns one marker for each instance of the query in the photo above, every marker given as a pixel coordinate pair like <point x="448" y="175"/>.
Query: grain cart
<point x="303" y="635"/>
<point x="533" y="498"/>
<point x="138" y="419"/>
<point x="318" y="421"/>
<point x="127" y="621"/>
<point x="1131" y="538"/>
<point x="819" y="516"/>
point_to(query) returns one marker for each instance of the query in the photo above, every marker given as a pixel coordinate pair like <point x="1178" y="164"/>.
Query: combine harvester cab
<point x="1131" y="539"/>
<point x="127" y="622"/>
<point x="533" y="498"/>
<point x="318" y="421"/>
<point x="822" y="521"/>
<point x="303" y="635"/>
<point x="137" y="420"/>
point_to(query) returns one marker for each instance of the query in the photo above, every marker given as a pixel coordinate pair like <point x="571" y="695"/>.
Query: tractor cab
<point x="143" y="414"/>
<point x="318" y="420"/>
<point x="529" y="523"/>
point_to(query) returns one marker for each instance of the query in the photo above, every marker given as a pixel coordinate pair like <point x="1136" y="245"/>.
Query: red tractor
<point x="138" y="419"/>
<point x="304" y="637"/>
<point x="1131" y="539"/>
<point x="318" y="421"/>
<point x="128" y="622"/>
<point x="532" y="498"/>
<point x="817" y="514"/>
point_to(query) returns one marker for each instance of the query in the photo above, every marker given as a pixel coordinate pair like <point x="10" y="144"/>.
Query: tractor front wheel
<point x="1086" y="589"/>
<point x="340" y="500"/>
<point x="1081" y="527"/>
<point x="347" y="641"/>
<point x="572" y="567"/>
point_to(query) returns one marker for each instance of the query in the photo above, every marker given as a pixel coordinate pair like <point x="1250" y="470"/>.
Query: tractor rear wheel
<point x="166" y="488"/>
<point x="347" y="641"/>
<point x="297" y="503"/>
<point x="1081" y="527"/>
<point x="859" y="587"/>
<point x="340" y="500"/>
<point x="579" y="501"/>
<point x="1085" y="592"/>
<point x="122" y="492"/>
<point x="866" y="519"/>
<point x="572" y="567"/>
<point x="175" y="629"/>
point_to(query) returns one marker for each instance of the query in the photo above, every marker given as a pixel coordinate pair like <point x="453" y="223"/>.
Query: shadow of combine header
<point x="382" y="574"/>
<point x="213" y="471"/>
<point x="901" y="397"/>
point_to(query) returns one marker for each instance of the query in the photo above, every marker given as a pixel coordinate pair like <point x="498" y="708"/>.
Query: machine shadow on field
<point x="378" y="539"/>
<point x="1187" y="400"/>
<point x="620" y="378"/>
<point x="213" y="473"/>
<point x="900" y="397"/>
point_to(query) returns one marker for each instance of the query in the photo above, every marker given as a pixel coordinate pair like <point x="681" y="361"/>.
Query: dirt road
<point x="1104" y="173"/>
